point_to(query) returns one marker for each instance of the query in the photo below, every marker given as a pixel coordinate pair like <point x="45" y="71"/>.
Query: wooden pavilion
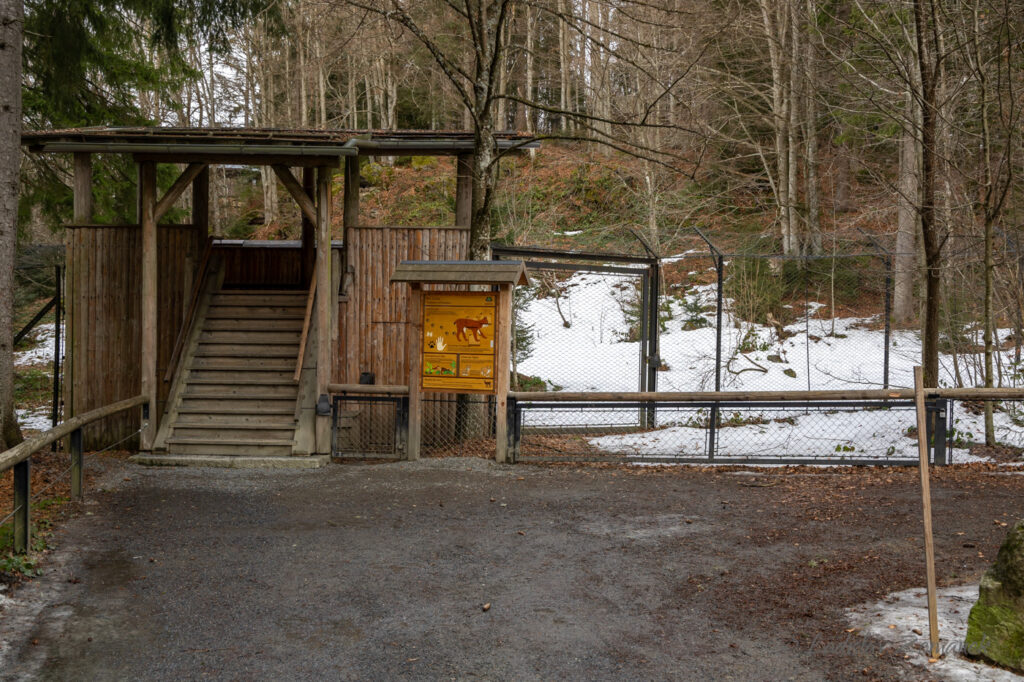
<point x="235" y="342"/>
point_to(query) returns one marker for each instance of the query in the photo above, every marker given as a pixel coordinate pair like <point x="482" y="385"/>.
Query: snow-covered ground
<point x="901" y="619"/>
<point x="823" y="353"/>
<point x="41" y="353"/>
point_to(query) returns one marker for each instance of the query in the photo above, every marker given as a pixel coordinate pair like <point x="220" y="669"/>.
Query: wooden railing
<point x="305" y="324"/>
<point x="186" y="327"/>
<point x="18" y="458"/>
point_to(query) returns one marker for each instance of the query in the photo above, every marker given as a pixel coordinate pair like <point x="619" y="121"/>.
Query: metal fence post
<point x="888" y="321"/>
<point x="22" y="502"/>
<point x="939" y="437"/>
<point x="712" y="431"/>
<point x="512" y="409"/>
<point x="402" y="427"/>
<point x="55" y="407"/>
<point x="76" y="463"/>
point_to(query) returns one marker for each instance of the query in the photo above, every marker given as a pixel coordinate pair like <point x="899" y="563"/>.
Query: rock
<point x="789" y="372"/>
<point x="995" y="628"/>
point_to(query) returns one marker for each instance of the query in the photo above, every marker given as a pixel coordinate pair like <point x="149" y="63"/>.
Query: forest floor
<point x="463" y="568"/>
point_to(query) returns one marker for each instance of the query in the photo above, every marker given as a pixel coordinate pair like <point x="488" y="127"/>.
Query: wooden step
<point x="242" y="403"/>
<point x="291" y="324"/>
<point x="244" y="364"/>
<point x="284" y="291"/>
<point x="218" y="433"/>
<point x="254" y="380"/>
<point x="231" y="391"/>
<point x="234" y="312"/>
<point x="223" y="350"/>
<point x="238" y="446"/>
<point x="264" y="418"/>
<point x="239" y="374"/>
<point x="289" y="299"/>
<point x="272" y="338"/>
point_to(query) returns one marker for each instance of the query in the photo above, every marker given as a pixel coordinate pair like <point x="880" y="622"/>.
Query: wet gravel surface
<point x="462" y="569"/>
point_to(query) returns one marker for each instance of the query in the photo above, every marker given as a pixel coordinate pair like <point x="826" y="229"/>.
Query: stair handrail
<point x="186" y="328"/>
<point x="305" y="324"/>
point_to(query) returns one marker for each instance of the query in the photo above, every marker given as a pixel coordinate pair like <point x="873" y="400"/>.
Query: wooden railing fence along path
<point x="19" y="456"/>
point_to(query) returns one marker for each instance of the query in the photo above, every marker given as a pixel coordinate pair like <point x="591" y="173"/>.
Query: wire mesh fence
<point x="867" y="432"/>
<point x="369" y="427"/>
<point x="458" y="426"/>
<point x="967" y="435"/>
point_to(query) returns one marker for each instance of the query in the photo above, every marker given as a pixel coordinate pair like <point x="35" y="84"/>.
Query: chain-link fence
<point x="967" y="431"/>
<point x="458" y="426"/>
<point x="758" y="321"/>
<point x="866" y="432"/>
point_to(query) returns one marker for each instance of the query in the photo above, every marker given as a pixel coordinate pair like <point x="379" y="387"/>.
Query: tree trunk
<point x="11" y="20"/>
<point x="930" y="239"/>
<point x="908" y="198"/>
<point x="811" y="190"/>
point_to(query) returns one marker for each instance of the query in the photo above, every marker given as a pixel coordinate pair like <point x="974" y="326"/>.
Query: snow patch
<point x="895" y="618"/>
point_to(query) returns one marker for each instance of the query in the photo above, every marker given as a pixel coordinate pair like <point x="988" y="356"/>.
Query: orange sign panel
<point x="458" y="341"/>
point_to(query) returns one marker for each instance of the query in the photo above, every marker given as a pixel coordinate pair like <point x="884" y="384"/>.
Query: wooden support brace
<point x="415" y="358"/>
<point x="926" y="499"/>
<point x="294" y="187"/>
<point x="149" y="303"/>
<point x="502" y="366"/>
<point x="183" y="181"/>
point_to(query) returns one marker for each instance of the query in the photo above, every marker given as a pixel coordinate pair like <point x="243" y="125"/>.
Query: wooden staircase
<point x="237" y="396"/>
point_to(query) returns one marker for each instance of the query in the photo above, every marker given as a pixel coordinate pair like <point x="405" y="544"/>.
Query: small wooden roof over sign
<point x="461" y="272"/>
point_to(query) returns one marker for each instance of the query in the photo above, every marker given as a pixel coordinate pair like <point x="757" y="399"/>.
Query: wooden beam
<point x="324" y="299"/>
<point x="308" y="227"/>
<point x="464" y="190"/>
<point x="201" y="205"/>
<point x="239" y="159"/>
<point x="415" y="358"/>
<point x="184" y="180"/>
<point x="502" y="365"/>
<point x="926" y="499"/>
<point x="148" y="316"/>
<point x="350" y="200"/>
<point x="309" y="210"/>
<point x="83" y="199"/>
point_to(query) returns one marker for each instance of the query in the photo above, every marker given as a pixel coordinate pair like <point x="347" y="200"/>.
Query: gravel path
<point x="387" y="571"/>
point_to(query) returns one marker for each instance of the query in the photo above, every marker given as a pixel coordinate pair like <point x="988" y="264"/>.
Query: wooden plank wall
<point x="104" y="337"/>
<point x="248" y="267"/>
<point x="371" y="334"/>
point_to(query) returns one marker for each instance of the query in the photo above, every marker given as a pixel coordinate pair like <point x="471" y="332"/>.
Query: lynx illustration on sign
<point x="458" y="341"/>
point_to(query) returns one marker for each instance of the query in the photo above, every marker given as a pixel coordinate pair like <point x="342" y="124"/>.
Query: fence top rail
<point x="367" y="389"/>
<point x="770" y="396"/>
<point x="26" y="449"/>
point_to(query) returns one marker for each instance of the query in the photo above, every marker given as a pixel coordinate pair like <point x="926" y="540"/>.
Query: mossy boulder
<point x="995" y="628"/>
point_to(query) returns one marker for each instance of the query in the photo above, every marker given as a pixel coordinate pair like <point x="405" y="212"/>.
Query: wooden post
<point x="350" y="200"/>
<point x="414" y="339"/>
<point x="308" y="227"/>
<point x="148" y="316"/>
<point x="926" y="498"/>
<point x="76" y="464"/>
<point x="22" y="504"/>
<point x="83" y="202"/>
<point x="502" y="363"/>
<point x="83" y="214"/>
<point x="464" y="190"/>
<point x="201" y="207"/>
<point x="323" y="302"/>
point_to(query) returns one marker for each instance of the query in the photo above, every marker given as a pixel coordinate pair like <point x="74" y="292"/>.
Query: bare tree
<point x="11" y="19"/>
